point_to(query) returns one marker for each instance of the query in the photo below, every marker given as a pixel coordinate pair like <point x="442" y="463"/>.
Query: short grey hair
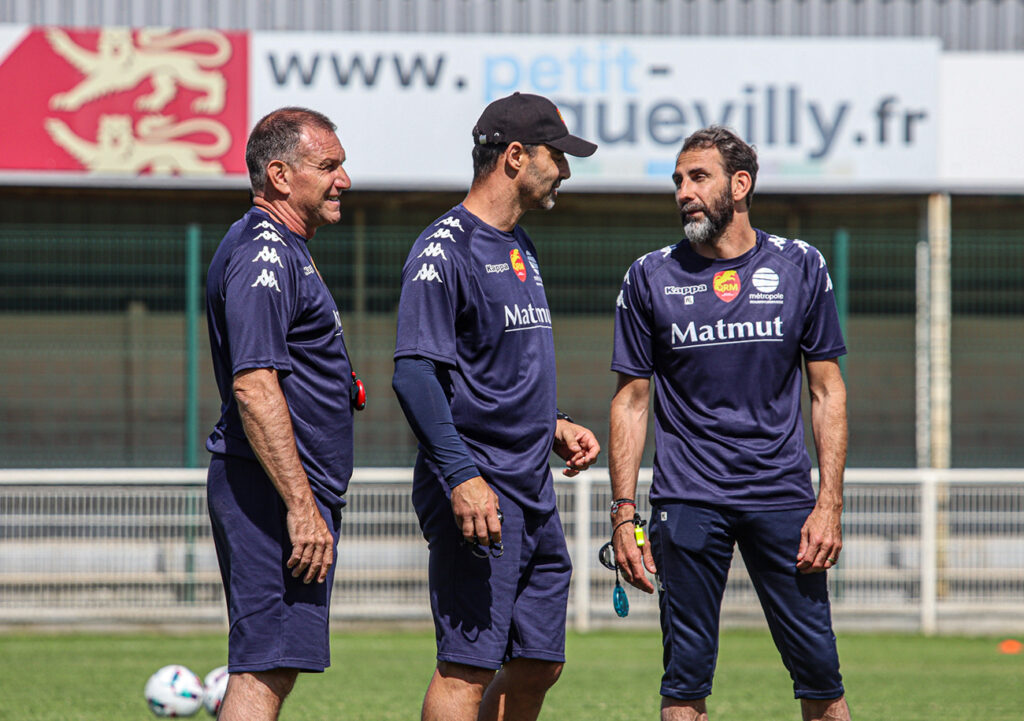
<point x="276" y="137"/>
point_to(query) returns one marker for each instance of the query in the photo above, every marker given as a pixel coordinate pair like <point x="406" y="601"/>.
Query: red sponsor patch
<point x="127" y="102"/>
<point x="727" y="284"/>
<point x="517" y="264"/>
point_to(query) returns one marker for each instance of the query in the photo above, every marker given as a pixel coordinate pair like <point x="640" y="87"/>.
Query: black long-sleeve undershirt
<point x="425" y="405"/>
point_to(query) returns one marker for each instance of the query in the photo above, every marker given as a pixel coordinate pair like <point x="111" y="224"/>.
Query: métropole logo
<point x="517" y="264"/>
<point x="727" y="285"/>
<point x="766" y="281"/>
<point x="118" y="100"/>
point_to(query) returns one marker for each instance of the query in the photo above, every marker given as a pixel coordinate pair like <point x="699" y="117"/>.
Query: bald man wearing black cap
<point x="475" y="374"/>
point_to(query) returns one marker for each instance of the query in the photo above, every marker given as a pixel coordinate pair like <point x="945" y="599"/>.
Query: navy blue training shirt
<point x="725" y="341"/>
<point x="267" y="307"/>
<point x="473" y="300"/>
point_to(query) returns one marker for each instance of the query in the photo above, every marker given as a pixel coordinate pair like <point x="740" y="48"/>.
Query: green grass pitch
<point x="610" y="675"/>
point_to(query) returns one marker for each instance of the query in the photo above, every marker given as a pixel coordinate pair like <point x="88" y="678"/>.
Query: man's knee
<point x="461" y="673"/>
<point x="533" y="675"/>
<point x="278" y="681"/>
<point x="257" y="694"/>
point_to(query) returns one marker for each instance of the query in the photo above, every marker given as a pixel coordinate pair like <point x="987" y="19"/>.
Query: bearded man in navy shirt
<point x="723" y="322"/>
<point x="282" y="449"/>
<point x="475" y="374"/>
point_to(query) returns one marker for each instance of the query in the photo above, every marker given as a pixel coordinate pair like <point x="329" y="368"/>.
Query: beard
<point x="545" y="190"/>
<point x="716" y="217"/>
<point x="548" y="201"/>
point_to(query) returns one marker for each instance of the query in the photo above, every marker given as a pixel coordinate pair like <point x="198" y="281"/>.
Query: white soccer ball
<point x="174" y="691"/>
<point x="216" y="683"/>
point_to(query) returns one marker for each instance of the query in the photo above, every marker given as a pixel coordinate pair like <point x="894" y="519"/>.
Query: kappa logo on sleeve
<point x="828" y="277"/>
<point x="434" y="250"/>
<point x="268" y="255"/>
<point x="441" y="233"/>
<point x="267" y="279"/>
<point x="451" y="223"/>
<point x="428" y="273"/>
<point x="272" y="236"/>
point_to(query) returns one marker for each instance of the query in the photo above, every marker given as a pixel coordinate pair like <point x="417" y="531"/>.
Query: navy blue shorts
<point x="276" y="621"/>
<point x="693" y="546"/>
<point x="490" y="610"/>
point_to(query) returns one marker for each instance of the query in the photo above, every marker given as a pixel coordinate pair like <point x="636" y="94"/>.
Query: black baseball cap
<point x="530" y="120"/>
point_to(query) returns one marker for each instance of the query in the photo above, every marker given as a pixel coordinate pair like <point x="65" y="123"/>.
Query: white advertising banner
<point x="982" y="123"/>
<point x="825" y="115"/>
<point x="158" y="107"/>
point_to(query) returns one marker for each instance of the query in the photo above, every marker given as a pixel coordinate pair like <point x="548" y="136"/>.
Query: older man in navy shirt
<point x="282" y="449"/>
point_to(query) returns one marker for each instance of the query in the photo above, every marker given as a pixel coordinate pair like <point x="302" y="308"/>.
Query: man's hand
<point x="821" y="540"/>
<point x="630" y="558"/>
<point x="312" y="543"/>
<point x="575" y="445"/>
<point x="475" y="507"/>
<point x="268" y="427"/>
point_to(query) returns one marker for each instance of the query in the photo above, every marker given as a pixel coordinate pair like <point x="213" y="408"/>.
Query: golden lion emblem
<point x="118" y="64"/>
<point x="154" y="145"/>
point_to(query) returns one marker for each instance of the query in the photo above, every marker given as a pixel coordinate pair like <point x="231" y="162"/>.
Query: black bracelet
<point x="619" y="502"/>
<point x="559" y="415"/>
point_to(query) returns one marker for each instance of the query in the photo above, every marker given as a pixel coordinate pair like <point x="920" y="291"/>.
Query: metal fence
<point x="941" y="551"/>
<point x="104" y="365"/>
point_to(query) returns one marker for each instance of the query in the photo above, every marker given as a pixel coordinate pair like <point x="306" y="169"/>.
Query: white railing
<point x="924" y="549"/>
